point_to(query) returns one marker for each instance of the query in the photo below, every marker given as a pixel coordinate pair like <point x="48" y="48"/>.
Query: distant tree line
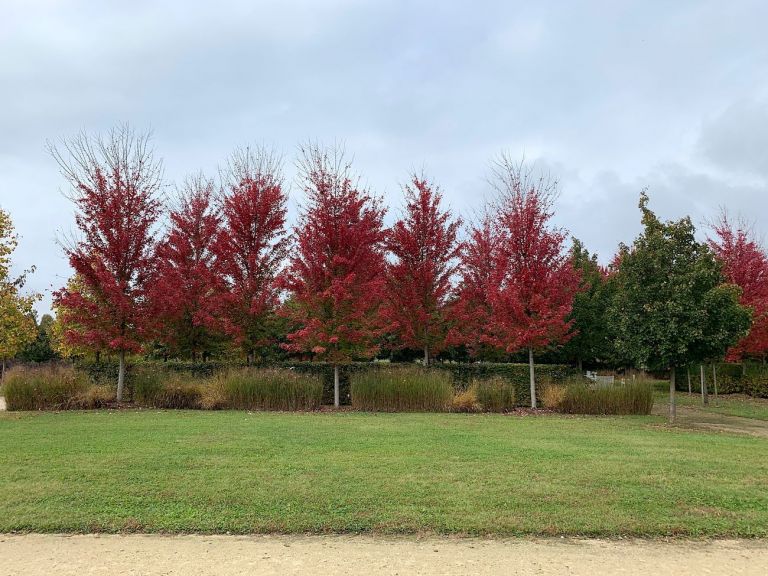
<point x="217" y="271"/>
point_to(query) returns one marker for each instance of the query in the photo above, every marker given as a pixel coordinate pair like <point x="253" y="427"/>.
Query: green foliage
<point x="40" y="349"/>
<point x="671" y="306"/>
<point x="267" y="389"/>
<point x="43" y="388"/>
<point x="620" y="399"/>
<point x="495" y="394"/>
<point x="591" y="342"/>
<point x="402" y="389"/>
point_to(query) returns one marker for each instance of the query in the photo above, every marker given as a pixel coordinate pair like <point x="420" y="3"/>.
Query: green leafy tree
<point x="17" y="322"/>
<point x="591" y="342"/>
<point x="40" y="349"/>
<point x="672" y="306"/>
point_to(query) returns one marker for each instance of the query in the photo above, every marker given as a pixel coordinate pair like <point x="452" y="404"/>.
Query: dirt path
<point x="35" y="555"/>
<point x="696" y="418"/>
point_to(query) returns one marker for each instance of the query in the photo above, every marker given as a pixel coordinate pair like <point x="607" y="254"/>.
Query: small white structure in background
<point x="600" y="380"/>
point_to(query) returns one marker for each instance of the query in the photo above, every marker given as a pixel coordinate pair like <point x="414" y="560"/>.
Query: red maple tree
<point x="335" y="274"/>
<point x="419" y="280"/>
<point x="251" y="246"/>
<point x="745" y="264"/>
<point x="531" y="283"/>
<point x="188" y="286"/>
<point x="470" y="308"/>
<point x="115" y="182"/>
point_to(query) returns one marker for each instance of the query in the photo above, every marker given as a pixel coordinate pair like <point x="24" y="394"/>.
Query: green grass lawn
<point x="727" y="405"/>
<point x="241" y="472"/>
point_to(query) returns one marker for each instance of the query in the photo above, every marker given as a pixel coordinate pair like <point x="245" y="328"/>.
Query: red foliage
<point x="518" y="282"/>
<point x="746" y="265"/>
<point x="251" y="246"/>
<point x="335" y="276"/>
<point x="471" y="309"/>
<point x="114" y="188"/>
<point x="419" y="281"/>
<point x="188" y="288"/>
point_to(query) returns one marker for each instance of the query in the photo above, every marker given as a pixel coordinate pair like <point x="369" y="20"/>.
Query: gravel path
<point x="35" y="555"/>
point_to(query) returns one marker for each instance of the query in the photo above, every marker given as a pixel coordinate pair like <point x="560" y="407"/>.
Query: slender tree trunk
<point x="672" y="405"/>
<point x="704" y="391"/>
<point x="336" y="386"/>
<point x="533" y="377"/>
<point x="98" y="356"/>
<point x="689" y="380"/>
<point x="121" y="377"/>
<point x="2" y="371"/>
<point x="581" y="365"/>
<point x="714" y="379"/>
<point x="426" y="355"/>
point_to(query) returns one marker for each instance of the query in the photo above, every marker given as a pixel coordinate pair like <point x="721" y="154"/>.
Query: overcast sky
<point x="609" y="96"/>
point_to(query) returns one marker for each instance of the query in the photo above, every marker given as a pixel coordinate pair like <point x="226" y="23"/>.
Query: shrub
<point x="495" y="394"/>
<point x="265" y="389"/>
<point x="402" y="389"/>
<point x="466" y="400"/>
<point x="95" y="396"/>
<point x="552" y="396"/>
<point x="156" y="389"/>
<point x="631" y="398"/>
<point x="43" y="388"/>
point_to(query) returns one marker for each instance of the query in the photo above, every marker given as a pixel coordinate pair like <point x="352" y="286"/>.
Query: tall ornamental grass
<point x="44" y="388"/>
<point x="495" y="394"/>
<point x="264" y="389"/>
<point x="410" y="389"/>
<point x="620" y="399"/>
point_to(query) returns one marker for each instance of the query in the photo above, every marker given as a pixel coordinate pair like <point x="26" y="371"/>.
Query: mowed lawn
<point x="156" y="471"/>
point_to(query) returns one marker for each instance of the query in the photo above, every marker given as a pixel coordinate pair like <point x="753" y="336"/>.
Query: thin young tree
<point x="533" y="281"/>
<point x="115" y="183"/>
<point x="425" y="249"/>
<point x="335" y="275"/>
<point x="188" y="286"/>
<point x="251" y="246"/>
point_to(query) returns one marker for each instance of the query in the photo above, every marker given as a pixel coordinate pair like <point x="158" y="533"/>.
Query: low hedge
<point x="462" y="374"/>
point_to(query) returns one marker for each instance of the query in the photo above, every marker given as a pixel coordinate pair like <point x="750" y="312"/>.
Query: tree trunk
<point x="688" y="370"/>
<point x="426" y="355"/>
<point x="121" y="377"/>
<point x="672" y="406"/>
<point x="714" y="379"/>
<point x="336" y="386"/>
<point x="581" y="365"/>
<point x="98" y="356"/>
<point x="704" y="391"/>
<point x="533" y="377"/>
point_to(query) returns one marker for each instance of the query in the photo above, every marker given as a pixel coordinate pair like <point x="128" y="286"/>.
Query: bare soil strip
<point x="36" y="554"/>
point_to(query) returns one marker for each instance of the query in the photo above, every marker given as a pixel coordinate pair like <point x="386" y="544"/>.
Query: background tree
<point x="115" y="182"/>
<point x="470" y="308"/>
<point x="188" y="289"/>
<point x="39" y="349"/>
<point x="532" y="280"/>
<point x="590" y="341"/>
<point x="672" y="306"/>
<point x="251" y="246"/>
<point x="65" y="321"/>
<point x="335" y="275"/>
<point x="17" y="320"/>
<point x="745" y="264"/>
<point x="425" y="248"/>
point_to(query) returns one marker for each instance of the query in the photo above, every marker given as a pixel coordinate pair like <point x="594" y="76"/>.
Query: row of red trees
<point x="338" y="280"/>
